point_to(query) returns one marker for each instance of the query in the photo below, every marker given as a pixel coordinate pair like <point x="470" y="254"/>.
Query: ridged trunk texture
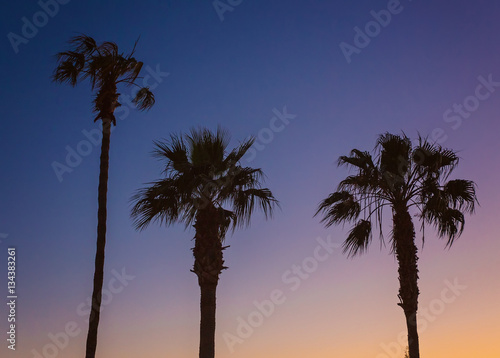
<point x="101" y="242"/>
<point x="208" y="264"/>
<point x="406" y="254"/>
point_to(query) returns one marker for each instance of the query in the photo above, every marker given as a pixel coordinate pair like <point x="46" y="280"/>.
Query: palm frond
<point x="236" y="154"/>
<point x="226" y="218"/>
<point x="238" y="178"/>
<point x="244" y="201"/>
<point x="450" y="224"/>
<point x="433" y="159"/>
<point x="361" y="182"/>
<point x="144" y="99"/>
<point x="358" y="159"/>
<point x="71" y="66"/>
<point x="134" y="67"/>
<point x="133" y="48"/>
<point x="174" y="152"/>
<point x="159" y="202"/>
<point x="83" y="44"/>
<point x="359" y="239"/>
<point x="339" y="207"/>
<point x="108" y="48"/>
<point x="461" y="194"/>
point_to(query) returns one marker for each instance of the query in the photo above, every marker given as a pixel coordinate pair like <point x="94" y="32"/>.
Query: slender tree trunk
<point x="406" y="254"/>
<point x="207" y="321"/>
<point x="208" y="265"/>
<point x="101" y="242"/>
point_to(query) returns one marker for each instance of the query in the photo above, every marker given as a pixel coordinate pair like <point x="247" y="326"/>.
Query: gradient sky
<point x="263" y="56"/>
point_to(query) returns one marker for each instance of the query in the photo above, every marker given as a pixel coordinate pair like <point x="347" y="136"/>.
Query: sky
<point x="311" y="80"/>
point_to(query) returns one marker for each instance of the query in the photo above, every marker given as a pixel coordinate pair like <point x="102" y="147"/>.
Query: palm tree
<point x="402" y="177"/>
<point x="204" y="186"/>
<point x="106" y="68"/>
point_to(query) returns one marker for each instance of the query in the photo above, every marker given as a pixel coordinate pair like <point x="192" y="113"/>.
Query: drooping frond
<point x="358" y="159"/>
<point x="433" y="159"/>
<point x="448" y="222"/>
<point x="361" y="182"/>
<point x="359" y="239"/>
<point x="245" y="201"/>
<point x="160" y="202"/>
<point x="144" y="99"/>
<point x="226" y="217"/>
<point x="108" y="48"/>
<point x="84" y="44"/>
<point x="367" y="175"/>
<point x="461" y="194"/>
<point x="134" y="68"/>
<point x="440" y="209"/>
<point x="237" y="178"/>
<point x="71" y="67"/>
<point x="338" y="207"/>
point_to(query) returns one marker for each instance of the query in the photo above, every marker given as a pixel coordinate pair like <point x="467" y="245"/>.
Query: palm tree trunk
<point x="406" y="254"/>
<point x="208" y="265"/>
<point x="207" y="321"/>
<point x="101" y="242"/>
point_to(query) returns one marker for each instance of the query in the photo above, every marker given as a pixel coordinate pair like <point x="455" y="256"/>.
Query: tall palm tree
<point x="204" y="186"/>
<point x="405" y="178"/>
<point x="106" y="68"/>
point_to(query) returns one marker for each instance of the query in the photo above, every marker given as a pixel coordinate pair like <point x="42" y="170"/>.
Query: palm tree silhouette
<point x="401" y="177"/>
<point x="106" y="68"/>
<point x="201" y="180"/>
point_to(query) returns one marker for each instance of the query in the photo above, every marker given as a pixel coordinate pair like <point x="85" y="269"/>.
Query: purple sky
<point x="433" y="69"/>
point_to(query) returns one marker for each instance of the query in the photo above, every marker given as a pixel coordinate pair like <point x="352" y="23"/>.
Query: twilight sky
<point x="311" y="84"/>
